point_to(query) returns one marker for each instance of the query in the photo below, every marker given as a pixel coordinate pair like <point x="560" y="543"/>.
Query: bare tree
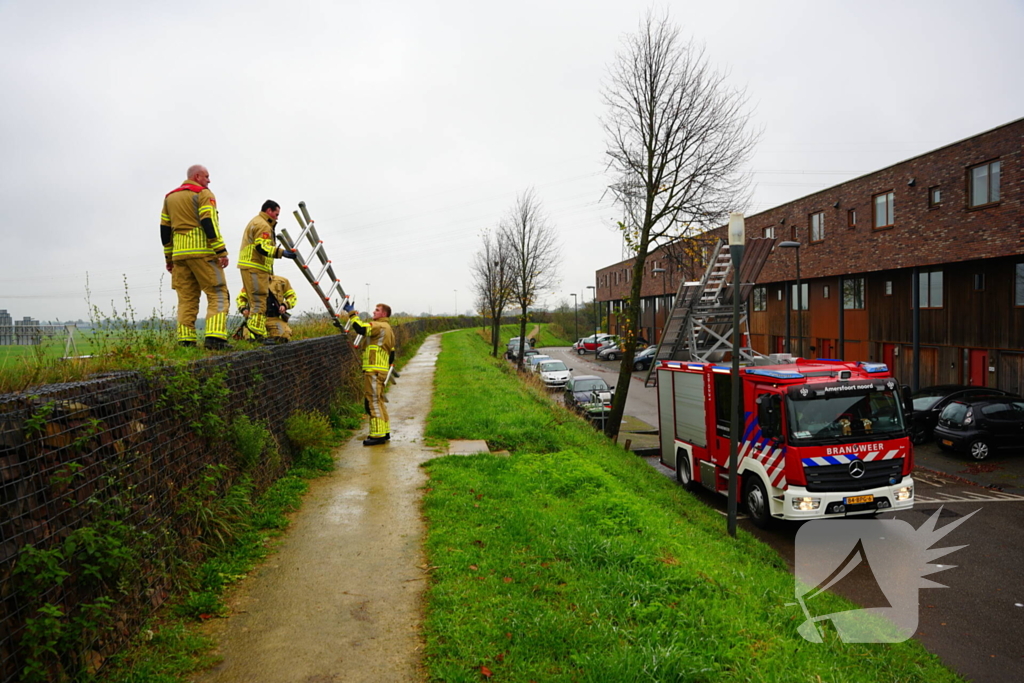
<point x="492" y="278"/>
<point x="534" y="253"/>
<point x="678" y="137"/>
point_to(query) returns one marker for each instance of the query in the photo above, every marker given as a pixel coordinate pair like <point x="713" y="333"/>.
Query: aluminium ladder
<point x="699" y="326"/>
<point x="325" y="288"/>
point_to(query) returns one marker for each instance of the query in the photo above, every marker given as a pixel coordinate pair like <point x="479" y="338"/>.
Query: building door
<point x="780" y="344"/>
<point x="977" y="367"/>
<point x="889" y="356"/>
<point x="826" y="348"/>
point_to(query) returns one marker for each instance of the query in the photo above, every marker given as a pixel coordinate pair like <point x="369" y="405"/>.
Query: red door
<point x="889" y="356"/>
<point x="977" y="364"/>
<point x="780" y="344"/>
<point x="825" y="348"/>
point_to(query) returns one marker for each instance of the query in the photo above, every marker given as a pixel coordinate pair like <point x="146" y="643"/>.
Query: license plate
<point x="947" y="442"/>
<point x="857" y="500"/>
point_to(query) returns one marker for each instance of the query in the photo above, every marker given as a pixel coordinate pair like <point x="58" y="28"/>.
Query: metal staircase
<point x="699" y="326"/>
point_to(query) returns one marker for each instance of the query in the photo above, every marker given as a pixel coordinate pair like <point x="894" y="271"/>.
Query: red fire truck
<point x="819" y="439"/>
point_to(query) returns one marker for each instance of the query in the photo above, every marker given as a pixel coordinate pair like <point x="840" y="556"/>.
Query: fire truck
<point x="818" y="439"/>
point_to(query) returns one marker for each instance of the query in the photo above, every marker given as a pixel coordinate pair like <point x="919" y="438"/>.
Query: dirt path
<point x="341" y="599"/>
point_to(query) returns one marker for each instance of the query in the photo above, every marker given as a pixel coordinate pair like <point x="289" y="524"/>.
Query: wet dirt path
<point x="341" y="598"/>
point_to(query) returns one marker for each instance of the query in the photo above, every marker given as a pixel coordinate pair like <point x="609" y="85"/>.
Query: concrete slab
<point x="467" y="447"/>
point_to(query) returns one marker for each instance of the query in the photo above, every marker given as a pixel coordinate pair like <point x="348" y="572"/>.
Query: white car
<point x="553" y="373"/>
<point x="534" y="360"/>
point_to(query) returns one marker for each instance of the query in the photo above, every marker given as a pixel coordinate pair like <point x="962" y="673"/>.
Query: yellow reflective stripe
<point x="165" y="219"/>
<point x="206" y="208"/>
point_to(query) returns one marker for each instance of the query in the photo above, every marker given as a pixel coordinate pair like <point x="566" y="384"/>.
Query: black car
<point x="642" y="361"/>
<point x="930" y="402"/>
<point x="981" y="425"/>
<point x="588" y="394"/>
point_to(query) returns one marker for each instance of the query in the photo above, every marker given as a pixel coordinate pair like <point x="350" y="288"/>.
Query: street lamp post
<point x="456" y="302"/>
<point x="799" y="300"/>
<point x="575" y="315"/>
<point x="664" y="303"/>
<point x="737" y="239"/>
<point x="597" y="317"/>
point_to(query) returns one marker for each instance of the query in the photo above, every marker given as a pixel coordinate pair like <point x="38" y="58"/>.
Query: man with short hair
<point x="378" y="356"/>
<point x="256" y="263"/>
<point x="196" y="257"/>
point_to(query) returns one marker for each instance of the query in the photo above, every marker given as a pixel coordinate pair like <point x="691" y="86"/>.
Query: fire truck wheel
<point x="755" y="497"/>
<point x="683" y="474"/>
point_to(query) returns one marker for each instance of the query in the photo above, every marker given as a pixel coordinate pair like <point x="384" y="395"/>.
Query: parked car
<point x="610" y="349"/>
<point x="532" y="361"/>
<point x="642" y="361"/>
<point x="578" y="345"/>
<point x="588" y="395"/>
<point x="981" y="425"/>
<point x="513" y="346"/>
<point x="931" y="401"/>
<point x="553" y="373"/>
<point x="592" y="342"/>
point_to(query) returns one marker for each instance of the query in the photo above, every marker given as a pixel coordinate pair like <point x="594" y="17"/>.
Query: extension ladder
<point x="325" y="288"/>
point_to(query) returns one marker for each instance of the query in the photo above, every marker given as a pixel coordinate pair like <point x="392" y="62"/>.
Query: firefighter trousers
<point x="190" y="278"/>
<point x="278" y="328"/>
<point x="373" y="390"/>
<point x="257" y="284"/>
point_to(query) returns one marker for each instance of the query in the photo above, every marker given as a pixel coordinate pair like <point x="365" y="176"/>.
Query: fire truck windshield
<point x="851" y="417"/>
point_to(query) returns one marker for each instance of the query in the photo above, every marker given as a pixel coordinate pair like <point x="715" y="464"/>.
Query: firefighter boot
<point x="216" y="344"/>
<point x="374" y="441"/>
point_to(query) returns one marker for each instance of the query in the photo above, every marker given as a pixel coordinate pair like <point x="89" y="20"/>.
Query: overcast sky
<point x="408" y="127"/>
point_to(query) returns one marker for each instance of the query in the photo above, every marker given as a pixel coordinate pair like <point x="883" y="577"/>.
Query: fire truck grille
<point x="838" y="478"/>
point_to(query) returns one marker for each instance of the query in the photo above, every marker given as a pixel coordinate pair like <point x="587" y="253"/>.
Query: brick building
<point x="922" y="260"/>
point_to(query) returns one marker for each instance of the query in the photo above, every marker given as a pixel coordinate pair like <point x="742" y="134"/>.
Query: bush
<point x="309" y="430"/>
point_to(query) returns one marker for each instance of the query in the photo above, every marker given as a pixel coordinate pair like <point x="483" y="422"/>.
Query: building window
<point x="818" y="226"/>
<point x="760" y="298"/>
<point x="885" y="206"/>
<point x="792" y="233"/>
<point x="853" y="293"/>
<point x="1018" y="299"/>
<point x="824" y="292"/>
<point x="984" y="184"/>
<point x="979" y="282"/>
<point x="768" y="233"/>
<point x="934" y="196"/>
<point x="851" y="218"/>
<point x="1018" y="286"/>
<point x="888" y="287"/>
<point x="930" y="284"/>
<point x="804" y="296"/>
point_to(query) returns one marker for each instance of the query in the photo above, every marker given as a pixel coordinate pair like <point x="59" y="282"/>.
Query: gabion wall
<point x="122" y="448"/>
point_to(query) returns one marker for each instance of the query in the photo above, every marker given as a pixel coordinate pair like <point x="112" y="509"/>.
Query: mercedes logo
<point x="856" y="469"/>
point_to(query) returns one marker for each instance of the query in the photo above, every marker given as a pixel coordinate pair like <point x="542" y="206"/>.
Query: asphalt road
<point x="975" y="624"/>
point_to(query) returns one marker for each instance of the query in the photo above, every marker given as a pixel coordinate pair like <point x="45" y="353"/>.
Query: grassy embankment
<point x="572" y="560"/>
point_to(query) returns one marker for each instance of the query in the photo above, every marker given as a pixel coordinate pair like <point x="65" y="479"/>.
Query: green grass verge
<point x="572" y="560"/>
<point x="172" y="645"/>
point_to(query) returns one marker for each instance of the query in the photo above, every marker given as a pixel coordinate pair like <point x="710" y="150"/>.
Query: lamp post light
<point x="799" y="300"/>
<point x="597" y="317"/>
<point x="737" y="239"/>
<point x="664" y="303"/>
<point x="575" y="315"/>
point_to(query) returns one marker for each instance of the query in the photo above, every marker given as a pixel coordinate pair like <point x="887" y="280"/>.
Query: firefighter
<point x="256" y="261"/>
<point x="378" y="356"/>
<point x="196" y="257"/>
<point x="281" y="298"/>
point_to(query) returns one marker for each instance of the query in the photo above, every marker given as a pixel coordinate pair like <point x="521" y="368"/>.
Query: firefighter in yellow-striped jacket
<point x="378" y="356"/>
<point x="256" y="261"/>
<point x="196" y="257"/>
<point x="281" y="298"/>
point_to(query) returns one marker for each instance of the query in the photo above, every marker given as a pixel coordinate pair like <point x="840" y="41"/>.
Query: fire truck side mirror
<point x="768" y="416"/>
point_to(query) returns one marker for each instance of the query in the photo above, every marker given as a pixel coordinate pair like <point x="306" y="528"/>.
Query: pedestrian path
<point x="341" y="599"/>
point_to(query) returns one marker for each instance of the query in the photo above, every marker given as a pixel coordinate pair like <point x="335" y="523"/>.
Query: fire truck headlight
<point x="806" y="503"/>
<point x="905" y="493"/>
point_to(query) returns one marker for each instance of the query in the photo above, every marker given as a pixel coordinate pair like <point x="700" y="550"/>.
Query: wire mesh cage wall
<point x="92" y="482"/>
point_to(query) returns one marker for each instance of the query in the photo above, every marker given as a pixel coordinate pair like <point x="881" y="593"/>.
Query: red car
<point x="591" y="343"/>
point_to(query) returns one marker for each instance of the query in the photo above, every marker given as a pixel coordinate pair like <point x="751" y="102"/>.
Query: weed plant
<point x="572" y="560"/>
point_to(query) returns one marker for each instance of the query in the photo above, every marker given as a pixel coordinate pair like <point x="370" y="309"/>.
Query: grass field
<point x="571" y="560"/>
